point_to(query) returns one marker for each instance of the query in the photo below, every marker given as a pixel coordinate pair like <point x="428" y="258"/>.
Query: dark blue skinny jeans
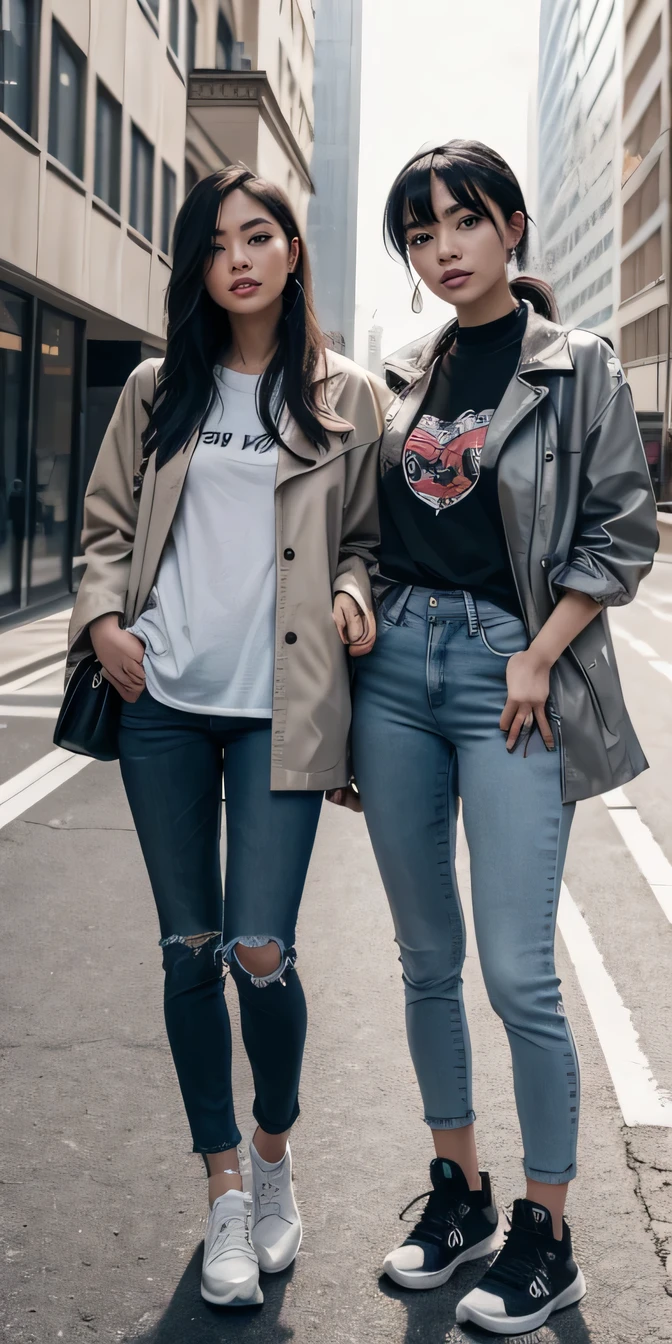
<point x="171" y="765"/>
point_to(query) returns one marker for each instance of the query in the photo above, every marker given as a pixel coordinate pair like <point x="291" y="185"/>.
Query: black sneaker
<point x="532" y="1276"/>
<point x="457" y="1224"/>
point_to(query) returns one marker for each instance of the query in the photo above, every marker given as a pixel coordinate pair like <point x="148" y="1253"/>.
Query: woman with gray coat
<point x="515" y="507"/>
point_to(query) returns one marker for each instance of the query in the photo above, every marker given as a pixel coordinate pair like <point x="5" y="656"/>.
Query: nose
<point x="240" y="260"/>
<point x="448" y="248"/>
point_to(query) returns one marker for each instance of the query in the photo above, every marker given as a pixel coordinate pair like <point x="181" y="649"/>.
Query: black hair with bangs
<point x="474" y="174"/>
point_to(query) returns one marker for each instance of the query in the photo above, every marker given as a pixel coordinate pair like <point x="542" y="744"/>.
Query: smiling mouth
<point x="244" y="286"/>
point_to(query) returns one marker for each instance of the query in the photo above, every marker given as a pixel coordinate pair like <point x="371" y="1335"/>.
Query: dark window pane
<point x="108" y="147"/>
<point x="190" y="177"/>
<point x="192" y="30"/>
<point x="174" y="25"/>
<point x="628" y="343"/>
<point x="18" y="36"/>
<point x="663" y="319"/>
<point x="224" y="58"/>
<point x="14" y="360"/>
<point x="50" y="559"/>
<point x="154" y="6"/>
<point x="142" y="183"/>
<point x="168" y="200"/>
<point x="66" y="107"/>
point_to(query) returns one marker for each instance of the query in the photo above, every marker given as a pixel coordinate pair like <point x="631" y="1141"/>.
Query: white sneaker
<point x="230" y="1276"/>
<point x="276" y="1222"/>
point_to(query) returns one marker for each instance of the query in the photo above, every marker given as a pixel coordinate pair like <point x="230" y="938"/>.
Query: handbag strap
<point x="142" y="455"/>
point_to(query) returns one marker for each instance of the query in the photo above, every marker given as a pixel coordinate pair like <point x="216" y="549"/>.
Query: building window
<point x="174" y="26"/>
<point x="142" y="183"/>
<point x="107" y="180"/>
<point x="642" y="205"/>
<point x="192" y="34"/>
<point x="168" y="202"/>
<point x="642" y="267"/>
<point x="224" y="58"/>
<point x="642" y="65"/>
<point x="154" y="6"/>
<point x="66" y="112"/>
<point x="644" y="135"/>
<point x="19" y="30"/>
<point x="646" y="338"/>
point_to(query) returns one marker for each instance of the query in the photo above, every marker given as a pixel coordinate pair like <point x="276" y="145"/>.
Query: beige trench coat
<point x="326" y="525"/>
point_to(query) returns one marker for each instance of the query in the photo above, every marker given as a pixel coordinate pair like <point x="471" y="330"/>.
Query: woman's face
<point x="252" y="257"/>
<point x="461" y="257"/>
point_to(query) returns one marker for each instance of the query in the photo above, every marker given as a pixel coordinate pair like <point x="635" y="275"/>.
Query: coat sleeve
<point x="110" y="515"/>
<point x="360" y="532"/>
<point x="616" y="535"/>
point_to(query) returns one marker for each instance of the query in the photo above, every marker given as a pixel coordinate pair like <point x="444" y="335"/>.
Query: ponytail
<point x="538" y="293"/>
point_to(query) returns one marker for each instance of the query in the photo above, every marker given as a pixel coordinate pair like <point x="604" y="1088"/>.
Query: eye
<point x="418" y="239"/>
<point x="261" y="237"/>
<point x="217" y="247"/>
<point x="470" y="221"/>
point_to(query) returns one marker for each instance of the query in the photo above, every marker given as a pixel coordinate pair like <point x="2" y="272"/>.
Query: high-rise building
<point x="109" y="111"/>
<point x="644" y="315"/>
<point x="578" y="107"/>
<point x="332" y="216"/>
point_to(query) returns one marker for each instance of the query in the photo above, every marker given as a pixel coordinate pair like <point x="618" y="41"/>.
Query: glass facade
<point x="66" y="111"/>
<point x="19" y="23"/>
<point x="40" y="400"/>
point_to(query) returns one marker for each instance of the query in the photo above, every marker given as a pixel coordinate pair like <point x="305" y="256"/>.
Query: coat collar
<point x="545" y="347"/>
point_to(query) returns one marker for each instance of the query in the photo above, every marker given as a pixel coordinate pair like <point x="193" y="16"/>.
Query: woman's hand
<point x="356" y="628"/>
<point x="120" y="654"/>
<point x="347" y="797"/>
<point x="527" y="680"/>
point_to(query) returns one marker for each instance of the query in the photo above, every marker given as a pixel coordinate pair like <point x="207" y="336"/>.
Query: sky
<point x="433" y="70"/>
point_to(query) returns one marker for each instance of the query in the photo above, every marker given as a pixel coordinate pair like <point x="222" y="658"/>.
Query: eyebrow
<point x="251" y="224"/>
<point x="452" y="209"/>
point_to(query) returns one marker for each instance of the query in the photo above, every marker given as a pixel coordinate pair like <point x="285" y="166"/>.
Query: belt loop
<point x="398" y="607"/>
<point x="472" y="614"/>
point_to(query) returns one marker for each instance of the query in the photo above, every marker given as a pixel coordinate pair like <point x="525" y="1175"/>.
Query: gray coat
<point x="578" y="513"/>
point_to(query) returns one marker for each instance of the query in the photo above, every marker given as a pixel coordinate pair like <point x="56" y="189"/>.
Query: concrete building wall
<point x="578" y="127"/>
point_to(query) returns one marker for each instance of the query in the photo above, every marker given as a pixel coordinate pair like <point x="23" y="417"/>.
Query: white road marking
<point x="640" y="646"/>
<point x="647" y="853"/>
<point x="28" y="712"/>
<point x="36" y="781"/>
<point x="11" y="687"/>
<point x="641" y="1100"/>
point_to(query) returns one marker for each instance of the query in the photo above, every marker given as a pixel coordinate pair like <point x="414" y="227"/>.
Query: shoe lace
<point x="436" y="1216"/>
<point x="268" y="1192"/>
<point x="518" y="1261"/>
<point x="233" y="1234"/>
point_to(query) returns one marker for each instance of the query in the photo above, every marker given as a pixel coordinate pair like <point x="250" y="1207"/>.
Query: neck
<point x="496" y="303"/>
<point x="254" y="339"/>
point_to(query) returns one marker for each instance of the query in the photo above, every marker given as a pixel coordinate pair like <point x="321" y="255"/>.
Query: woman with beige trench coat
<point x="229" y="527"/>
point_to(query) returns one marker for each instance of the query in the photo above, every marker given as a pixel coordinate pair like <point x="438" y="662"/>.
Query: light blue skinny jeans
<point x="426" y="733"/>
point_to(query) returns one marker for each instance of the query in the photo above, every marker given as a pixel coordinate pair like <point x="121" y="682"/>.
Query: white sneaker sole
<point x="241" y="1295"/>
<point x="519" y="1325"/>
<point x="416" y="1278"/>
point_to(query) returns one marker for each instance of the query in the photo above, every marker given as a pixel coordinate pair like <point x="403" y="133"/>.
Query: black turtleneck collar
<point x="491" y="336"/>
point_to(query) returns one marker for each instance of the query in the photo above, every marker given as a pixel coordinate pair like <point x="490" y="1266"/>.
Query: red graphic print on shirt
<point x="442" y="458"/>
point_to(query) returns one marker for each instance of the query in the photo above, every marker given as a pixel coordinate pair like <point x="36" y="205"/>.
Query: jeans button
<point x="433" y="602"/>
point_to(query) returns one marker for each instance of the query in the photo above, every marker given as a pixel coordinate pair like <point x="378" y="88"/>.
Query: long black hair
<point x="474" y="174"/>
<point x="198" y="328"/>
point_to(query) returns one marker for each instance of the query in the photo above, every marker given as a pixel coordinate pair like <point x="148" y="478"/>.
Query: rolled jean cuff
<point x="269" y="1128"/>
<point x="434" y="1123"/>
<point x="218" y="1147"/>
<point x="550" y="1177"/>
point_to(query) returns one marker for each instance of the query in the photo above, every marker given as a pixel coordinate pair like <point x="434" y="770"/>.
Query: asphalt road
<point x="103" y="1206"/>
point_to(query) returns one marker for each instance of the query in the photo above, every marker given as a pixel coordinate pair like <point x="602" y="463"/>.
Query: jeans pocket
<point x="503" y="634"/>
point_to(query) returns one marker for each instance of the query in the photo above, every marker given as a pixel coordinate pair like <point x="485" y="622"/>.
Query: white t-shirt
<point x="209" y="625"/>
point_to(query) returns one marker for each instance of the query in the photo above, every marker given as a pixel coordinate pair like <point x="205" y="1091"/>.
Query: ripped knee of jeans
<point x="261" y="970"/>
<point x="195" y="941"/>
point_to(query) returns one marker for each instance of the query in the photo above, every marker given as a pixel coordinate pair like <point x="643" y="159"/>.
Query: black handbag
<point x="89" y="719"/>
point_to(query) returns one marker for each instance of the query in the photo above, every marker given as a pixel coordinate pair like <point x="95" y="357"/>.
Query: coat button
<point x="290" y="637"/>
<point x="545" y="562"/>
<point x="548" y="457"/>
<point x="289" y="553"/>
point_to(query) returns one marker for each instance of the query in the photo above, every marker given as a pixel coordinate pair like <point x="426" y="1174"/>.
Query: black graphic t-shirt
<point x="441" y="525"/>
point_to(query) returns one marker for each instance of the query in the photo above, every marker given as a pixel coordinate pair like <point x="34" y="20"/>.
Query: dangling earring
<point x="416" y="302"/>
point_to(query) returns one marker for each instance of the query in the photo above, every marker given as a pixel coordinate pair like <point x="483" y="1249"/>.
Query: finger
<point x="544" y="728"/>
<point x="359" y="650"/>
<point x="508" y="715"/>
<point x="339" y="619"/>
<point x="127" y="693"/>
<point x="516" y="726"/>
<point x="335" y="796"/>
<point x="133" y="673"/>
